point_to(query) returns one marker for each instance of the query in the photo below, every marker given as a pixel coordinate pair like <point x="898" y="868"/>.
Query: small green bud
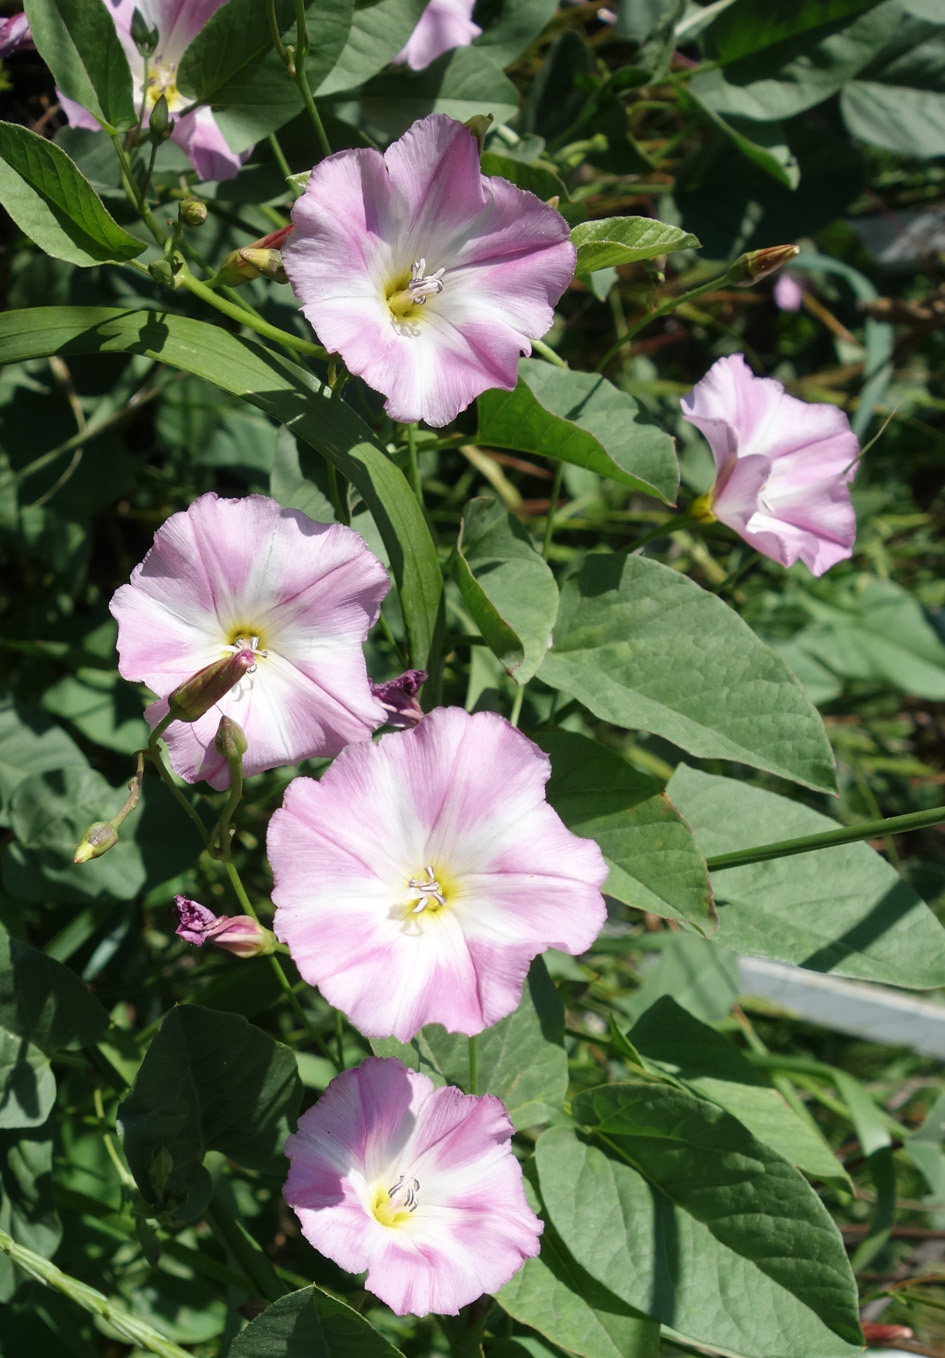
<point x="160" y="124"/>
<point x="479" y="125"/>
<point x="230" y="740"/>
<point x="98" y="839"/>
<point x="143" y="37"/>
<point x="161" y="272"/>
<point x="191" y="211"/>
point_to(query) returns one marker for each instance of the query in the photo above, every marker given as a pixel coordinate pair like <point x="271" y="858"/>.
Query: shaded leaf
<point x="79" y="43"/>
<point x="625" y="240"/>
<point x="582" y="419"/>
<point x="507" y="586"/>
<point x="45" y="1002"/>
<point x="653" y="859"/>
<point x="843" y="910"/>
<point x="53" y="203"/>
<point x="643" y="647"/>
<point x="310" y="1324"/>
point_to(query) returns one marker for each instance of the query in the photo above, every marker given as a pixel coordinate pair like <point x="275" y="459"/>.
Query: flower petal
<point x="443" y="25"/>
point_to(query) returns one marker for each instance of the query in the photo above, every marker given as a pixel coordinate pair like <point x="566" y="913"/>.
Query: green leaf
<point x="209" y="1081"/>
<point x="763" y="143"/>
<point x="877" y="633"/>
<point x="798" y="73"/>
<point x="100" y="704"/>
<point x="582" y="419"/>
<point x="53" y="203"/>
<point x="30" y="744"/>
<point x="378" y="32"/>
<point x="79" y="43"/>
<point x="561" y="1300"/>
<point x="843" y="910"/>
<point x="625" y="240"/>
<point x="682" y="1213"/>
<point x="644" y="647"/>
<point x="27" y="1208"/>
<point x="233" y="65"/>
<point x="520" y="1058"/>
<point x="51" y="811"/>
<point x="27" y="1084"/>
<point x="714" y="1068"/>
<point x="45" y="1002"/>
<point x="461" y="84"/>
<point x="899" y="99"/>
<point x="742" y="28"/>
<point x="310" y="1324"/>
<point x="539" y="178"/>
<point x="283" y="390"/>
<point x="507" y="586"/>
<point x="653" y="859"/>
<point x="509" y="26"/>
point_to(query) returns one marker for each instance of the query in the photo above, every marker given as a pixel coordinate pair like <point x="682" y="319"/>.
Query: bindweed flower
<point x="177" y="24"/>
<point x="14" y="33"/>
<point x="417" y="880"/>
<point x="443" y="25"/>
<point x="398" y="697"/>
<point x="239" y="934"/>
<point x="417" y="1185"/>
<point x="426" y="276"/>
<point x="228" y="576"/>
<point x="783" y="466"/>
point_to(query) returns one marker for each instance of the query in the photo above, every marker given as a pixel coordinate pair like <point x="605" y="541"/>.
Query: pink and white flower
<point x="428" y="277"/>
<point x="178" y="22"/>
<point x="229" y="574"/>
<point x="417" y="880"/>
<point x="784" y="466"/>
<point x="417" y="1185"/>
<point x="443" y="25"/>
<point x="14" y="33"/>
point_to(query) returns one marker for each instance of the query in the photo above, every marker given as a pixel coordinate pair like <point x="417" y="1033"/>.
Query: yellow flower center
<point x="247" y="637"/>
<point x="162" y="79"/>
<point x="428" y="893"/>
<point x="407" y="293"/>
<point x="394" y="1206"/>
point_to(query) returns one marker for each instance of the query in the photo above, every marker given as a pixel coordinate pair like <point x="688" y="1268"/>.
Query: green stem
<point x="132" y="1329"/>
<point x="247" y="1252"/>
<point x="415" y="479"/>
<point x="339" y="502"/>
<point x="156" y="755"/>
<point x="552" y="509"/>
<point x="137" y="197"/>
<point x="684" y="519"/>
<point x="517" y="705"/>
<point x="670" y="305"/>
<point x="828" y="839"/>
<point x="473" y="1066"/>
<point x="221" y="832"/>
<point x="301" y="79"/>
<point x="279" y="156"/>
<point x="237" y="313"/>
<point x="546" y="351"/>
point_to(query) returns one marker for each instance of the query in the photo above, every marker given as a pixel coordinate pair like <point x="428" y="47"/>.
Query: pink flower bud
<point x="398" y="698"/>
<point x="239" y="934"/>
<point x="196" y="695"/>
<point x="754" y="265"/>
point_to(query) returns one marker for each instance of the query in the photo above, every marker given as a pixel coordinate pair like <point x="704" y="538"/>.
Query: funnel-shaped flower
<point x="178" y="22"/>
<point x="426" y="276"/>
<point x="15" y="32"/>
<point x="784" y="466"/>
<point x="227" y="575"/>
<point x="443" y="25"/>
<point x="417" y="1185"/>
<point x="417" y="880"/>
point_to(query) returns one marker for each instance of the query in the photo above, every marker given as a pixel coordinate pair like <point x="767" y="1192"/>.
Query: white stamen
<point x="429" y="890"/>
<point x="241" y="643"/>
<point x="422" y="286"/>
<point x="409" y="1190"/>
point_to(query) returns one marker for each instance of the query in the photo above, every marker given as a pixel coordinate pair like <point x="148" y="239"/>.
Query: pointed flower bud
<point x="398" y="697"/>
<point x="754" y="265"/>
<point x="259" y="257"/>
<point x="143" y="37"/>
<point x="98" y="839"/>
<point x="160" y="126"/>
<point x="239" y="934"/>
<point x="230" y="740"/>
<point x="191" y="211"/>
<point x="196" y="695"/>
